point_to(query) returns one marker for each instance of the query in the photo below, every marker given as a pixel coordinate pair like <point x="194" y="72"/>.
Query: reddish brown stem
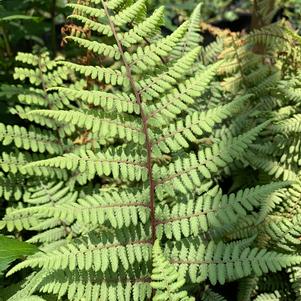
<point x="148" y="144"/>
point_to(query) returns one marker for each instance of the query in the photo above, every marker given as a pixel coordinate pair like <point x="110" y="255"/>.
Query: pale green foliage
<point x="265" y="63"/>
<point x="33" y="139"/>
<point x="269" y="297"/>
<point x="295" y="275"/>
<point x="221" y="262"/>
<point x="126" y="157"/>
<point x="33" y="298"/>
<point x="165" y="279"/>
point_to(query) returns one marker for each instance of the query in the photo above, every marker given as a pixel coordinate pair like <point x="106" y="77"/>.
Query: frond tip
<point x="165" y="279"/>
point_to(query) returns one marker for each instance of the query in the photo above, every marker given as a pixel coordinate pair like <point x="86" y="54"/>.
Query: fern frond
<point x="31" y="218"/>
<point x="118" y="163"/>
<point x="165" y="279"/>
<point x="148" y="140"/>
<point x="285" y="233"/>
<point x="33" y="139"/>
<point x="103" y="29"/>
<point x="145" y="29"/>
<point x="87" y="10"/>
<point x="12" y="162"/>
<point x="106" y="126"/>
<point x="96" y="47"/>
<point x="176" y="102"/>
<point x="185" y="174"/>
<point x="34" y="76"/>
<point x="34" y="60"/>
<point x="109" y="101"/>
<point x="130" y="14"/>
<point x="211" y="52"/>
<point x="291" y="125"/>
<point x="32" y="282"/>
<point x="142" y="30"/>
<point x="93" y="286"/>
<point x="273" y="36"/>
<point x="295" y="274"/>
<point x="192" y="37"/>
<point x="108" y="75"/>
<point x="11" y="186"/>
<point x="269" y="297"/>
<point x="221" y="262"/>
<point x="272" y="167"/>
<point x="51" y="192"/>
<point x="178" y="135"/>
<point x="62" y="129"/>
<point x="150" y="56"/>
<point x="211" y="212"/>
<point x="120" y="210"/>
<point x="153" y="86"/>
<point x="104" y="256"/>
<point x="246" y="288"/>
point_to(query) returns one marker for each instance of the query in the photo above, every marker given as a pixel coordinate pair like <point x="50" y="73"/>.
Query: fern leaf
<point x="211" y="212"/>
<point x="129" y="14"/>
<point x="154" y="86"/>
<point x="118" y="209"/>
<point x="93" y="25"/>
<point x="150" y="56"/>
<point x="96" y="47"/>
<point x="145" y="29"/>
<point x="34" y="139"/>
<point x="272" y="167"/>
<point x="184" y="174"/>
<point x="87" y="10"/>
<point x="102" y="257"/>
<point x="109" y="101"/>
<point x="176" y="102"/>
<point x="165" y="279"/>
<point x="178" y="135"/>
<point x="221" y="262"/>
<point x="108" y="75"/>
<point x="192" y="38"/>
<point x="105" y="127"/>
<point x="269" y="297"/>
<point x="118" y="163"/>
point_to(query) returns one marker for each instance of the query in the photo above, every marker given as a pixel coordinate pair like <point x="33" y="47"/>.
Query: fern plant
<point x="264" y="63"/>
<point x="127" y="167"/>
